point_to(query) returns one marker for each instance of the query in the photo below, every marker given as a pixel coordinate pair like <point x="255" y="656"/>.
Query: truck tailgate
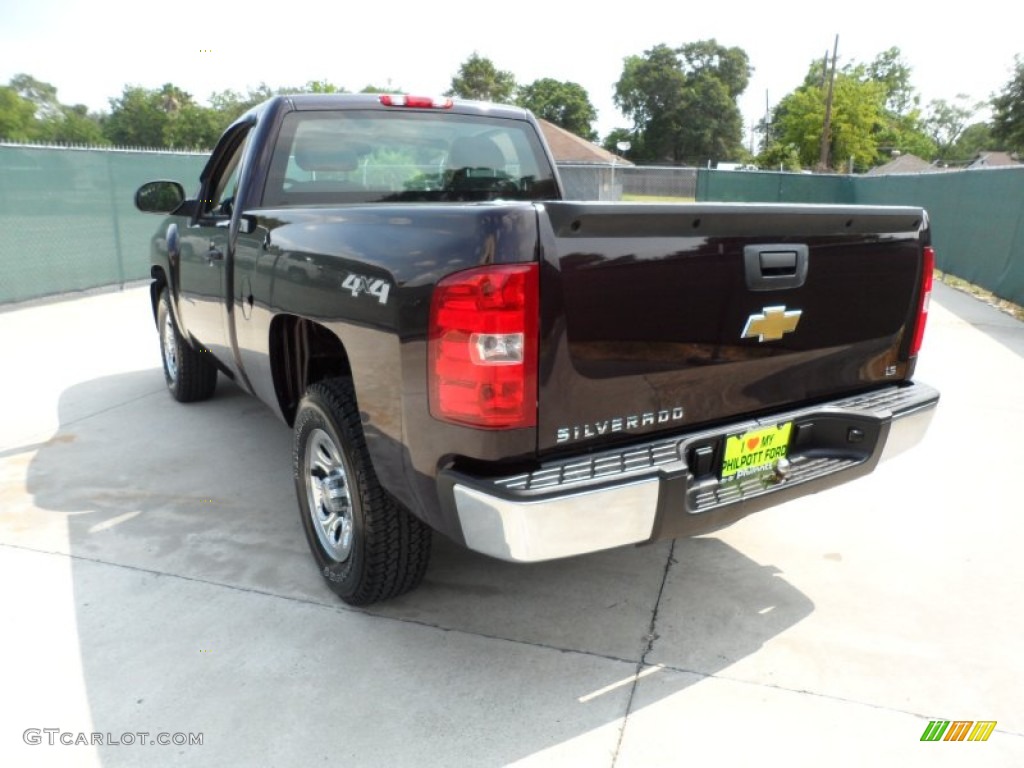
<point x="663" y="317"/>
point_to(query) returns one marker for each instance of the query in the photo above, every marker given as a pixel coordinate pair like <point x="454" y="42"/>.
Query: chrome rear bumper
<point x="650" y="491"/>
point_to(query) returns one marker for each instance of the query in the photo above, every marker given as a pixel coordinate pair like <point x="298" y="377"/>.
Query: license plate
<point x="755" y="451"/>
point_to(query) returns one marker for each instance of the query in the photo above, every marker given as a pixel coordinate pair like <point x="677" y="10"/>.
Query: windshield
<point x="366" y="156"/>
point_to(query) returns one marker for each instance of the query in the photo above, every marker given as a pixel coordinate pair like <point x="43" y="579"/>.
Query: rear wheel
<point x="367" y="545"/>
<point x="190" y="374"/>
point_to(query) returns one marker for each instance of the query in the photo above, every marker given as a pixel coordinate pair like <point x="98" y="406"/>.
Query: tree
<point x="43" y="96"/>
<point x="322" y="86"/>
<point x="946" y="122"/>
<point x="379" y="89"/>
<point x="566" y="104"/>
<point x="74" y="125"/>
<point x="230" y="105"/>
<point x="479" y="79"/>
<point x="137" y="118"/>
<point x="730" y="66"/>
<point x="192" y="127"/>
<point x="903" y="125"/>
<point x="782" y="157"/>
<point x="875" y="112"/>
<point x="857" y="116"/>
<point x="164" y="117"/>
<point x="683" y="101"/>
<point x="1008" y="111"/>
<point x="974" y="139"/>
<point x="619" y="135"/>
<point x="893" y="72"/>
<point x="17" y="116"/>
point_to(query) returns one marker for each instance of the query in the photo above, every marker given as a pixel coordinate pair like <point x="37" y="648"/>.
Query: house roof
<point x="992" y="160"/>
<point x="569" y="148"/>
<point x="903" y="164"/>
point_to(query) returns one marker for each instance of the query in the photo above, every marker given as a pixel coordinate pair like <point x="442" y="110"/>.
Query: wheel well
<point x="302" y="353"/>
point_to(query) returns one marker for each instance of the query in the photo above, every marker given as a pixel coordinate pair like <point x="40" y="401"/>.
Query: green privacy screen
<point x="977" y="216"/>
<point x="68" y="220"/>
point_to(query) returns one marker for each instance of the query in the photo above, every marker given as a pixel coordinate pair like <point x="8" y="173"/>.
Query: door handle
<point x="775" y="267"/>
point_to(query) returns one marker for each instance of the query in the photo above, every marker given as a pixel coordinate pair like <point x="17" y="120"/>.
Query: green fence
<point x="67" y="218"/>
<point x="68" y="222"/>
<point x="766" y="187"/>
<point x="977" y="216"/>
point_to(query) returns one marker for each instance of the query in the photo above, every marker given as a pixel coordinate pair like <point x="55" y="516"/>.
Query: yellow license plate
<point x="755" y="451"/>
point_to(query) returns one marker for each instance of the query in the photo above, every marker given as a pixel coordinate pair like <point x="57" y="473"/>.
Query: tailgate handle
<point x="775" y="267"/>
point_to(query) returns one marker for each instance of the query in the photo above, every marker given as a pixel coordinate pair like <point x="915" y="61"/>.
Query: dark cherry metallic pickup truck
<point x="458" y="349"/>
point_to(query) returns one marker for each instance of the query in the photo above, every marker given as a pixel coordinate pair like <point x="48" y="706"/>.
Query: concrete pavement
<point x="155" y="580"/>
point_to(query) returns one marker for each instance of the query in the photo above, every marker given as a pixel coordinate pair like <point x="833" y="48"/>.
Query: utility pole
<point x="826" y="131"/>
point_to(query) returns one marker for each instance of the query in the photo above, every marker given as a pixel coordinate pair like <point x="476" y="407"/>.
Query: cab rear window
<point x="368" y="156"/>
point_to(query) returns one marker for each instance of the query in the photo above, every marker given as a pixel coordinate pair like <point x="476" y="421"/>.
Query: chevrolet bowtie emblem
<point x="771" y="324"/>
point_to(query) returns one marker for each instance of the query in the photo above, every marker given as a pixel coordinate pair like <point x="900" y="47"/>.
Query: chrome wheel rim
<point x="170" y="348"/>
<point x="328" y="495"/>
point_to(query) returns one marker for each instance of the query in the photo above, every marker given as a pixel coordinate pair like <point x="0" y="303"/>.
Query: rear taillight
<point x="482" y="348"/>
<point x="416" y="102"/>
<point x="924" y="299"/>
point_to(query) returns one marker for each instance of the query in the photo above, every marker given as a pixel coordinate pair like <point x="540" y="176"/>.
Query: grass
<point x="978" y="292"/>
<point x="655" y="198"/>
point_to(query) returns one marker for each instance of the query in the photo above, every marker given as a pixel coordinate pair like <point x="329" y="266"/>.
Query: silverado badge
<point x="771" y="323"/>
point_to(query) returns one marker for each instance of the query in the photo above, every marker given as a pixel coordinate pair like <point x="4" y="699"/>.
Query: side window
<point x="224" y="185"/>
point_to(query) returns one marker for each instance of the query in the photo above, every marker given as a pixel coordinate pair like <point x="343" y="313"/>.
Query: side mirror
<point x="159" y="196"/>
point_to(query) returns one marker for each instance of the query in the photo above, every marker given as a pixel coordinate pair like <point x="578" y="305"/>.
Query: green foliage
<point x="683" y="101"/>
<point x="889" y="69"/>
<point x="230" y="105"/>
<point x="74" y="125"/>
<point x="43" y="96"/>
<point x="946" y="122"/>
<point x="974" y="139"/>
<point x="565" y="104"/>
<point x="906" y="134"/>
<point x="17" y="116"/>
<point x="730" y="66"/>
<point x="874" y="112"/>
<point x="138" y="118"/>
<point x="856" y="118"/>
<point x="1008" y="111"/>
<point x="612" y="140"/>
<point x="379" y="89"/>
<point x="479" y="79"/>
<point x="780" y="157"/>
<point x="322" y="86"/>
<point x="164" y="117"/>
<point x="30" y="111"/>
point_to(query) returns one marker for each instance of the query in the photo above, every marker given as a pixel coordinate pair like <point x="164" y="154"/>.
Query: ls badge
<point x="771" y="324"/>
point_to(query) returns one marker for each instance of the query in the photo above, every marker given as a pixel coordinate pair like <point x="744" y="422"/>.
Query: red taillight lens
<point x="482" y="348"/>
<point x="928" y="267"/>
<point x="418" y="102"/>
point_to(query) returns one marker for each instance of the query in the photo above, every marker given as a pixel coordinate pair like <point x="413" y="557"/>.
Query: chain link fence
<point x="628" y="182"/>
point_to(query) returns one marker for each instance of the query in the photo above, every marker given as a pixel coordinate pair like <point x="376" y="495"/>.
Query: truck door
<point x="206" y="250"/>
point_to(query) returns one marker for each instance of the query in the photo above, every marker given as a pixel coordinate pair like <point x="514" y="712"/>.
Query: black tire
<point x="367" y="545"/>
<point x="190" y="374"/>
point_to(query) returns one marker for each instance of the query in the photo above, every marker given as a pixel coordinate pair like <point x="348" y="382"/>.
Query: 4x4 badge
<point x="771" y="323"/>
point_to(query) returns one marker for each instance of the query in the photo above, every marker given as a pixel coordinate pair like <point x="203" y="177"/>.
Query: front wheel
<point x="190" y="374"/>
<point x="367" y="545"/>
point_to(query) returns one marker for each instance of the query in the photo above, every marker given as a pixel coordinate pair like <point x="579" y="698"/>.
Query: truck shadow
<point x="194" y="508"/>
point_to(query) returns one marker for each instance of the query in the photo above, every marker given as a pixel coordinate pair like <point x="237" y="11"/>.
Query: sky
<point x="90" y="51"/>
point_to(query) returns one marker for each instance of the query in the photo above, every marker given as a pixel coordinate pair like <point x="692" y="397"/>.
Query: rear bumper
<point x="670" y="488"/>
